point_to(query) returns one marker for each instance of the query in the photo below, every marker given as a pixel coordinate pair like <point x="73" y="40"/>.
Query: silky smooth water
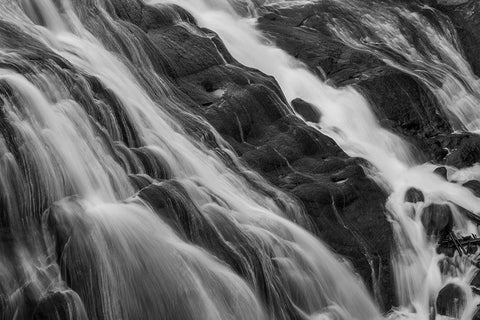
<point x="75" y="129"/>
<point x="348" y="119"/>
<point x="72" y="156"/>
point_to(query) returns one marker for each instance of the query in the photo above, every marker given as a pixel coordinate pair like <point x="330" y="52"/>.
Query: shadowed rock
<point x="474" y="186"/>
<point x="308" y="111"/>
<point x="451" y="301"/>
<point x="414" y="195"/>
<point x="437" y="219"/>
<point x="60" y="305"/>
<point x="441" y="171"/>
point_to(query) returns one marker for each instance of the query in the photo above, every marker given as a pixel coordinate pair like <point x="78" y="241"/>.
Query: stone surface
<point x="308" y="111"/>
<point x="451" y="301"/>
<point x="474" y="186"/>
<point x="437" y="219"/>
<point x="414" y="195"/>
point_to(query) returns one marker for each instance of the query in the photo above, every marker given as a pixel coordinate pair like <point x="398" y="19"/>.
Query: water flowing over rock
<point x="238" y="159"/>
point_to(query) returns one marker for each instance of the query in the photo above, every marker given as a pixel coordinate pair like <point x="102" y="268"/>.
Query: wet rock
<point x="451" y="301"/>
<point x="401" y="102"/>
<point x="351" y="171"/>
<point x="130" y="10"/>
<point x="308" y="111"/>
<point x="441" y="171"/>
<point x="474" y="186"/>
<point x="164" y="15"/>
<point x="447" y="251"/>
<point x="314" y="192"/>
<point x="451" y="2"/>
<point x="476" y="280"/>
<point x="60" y="305"/>
<point x="250" y="111"/>
<point x="437" y="219"/>
<point x="140" y="181"/>
<point x="465" y="17"/>
<point x="414" y="195"/>
<point x="467" y="152"/>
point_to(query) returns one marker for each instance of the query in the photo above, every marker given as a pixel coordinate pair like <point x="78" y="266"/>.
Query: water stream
<point x="80" y="128"/>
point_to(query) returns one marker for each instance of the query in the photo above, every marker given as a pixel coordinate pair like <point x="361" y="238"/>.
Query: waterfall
<point x="423" y="44"/>
<point x="82" y="130"/>
<point x="348" y="119"/>
<point x="118" y="201"/>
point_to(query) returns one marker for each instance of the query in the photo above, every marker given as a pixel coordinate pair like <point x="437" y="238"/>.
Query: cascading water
<point x="199" y="241"/>
<point x="423" y="44"/>
<point x="83" y="129"/>
<point x="347" y="118"/>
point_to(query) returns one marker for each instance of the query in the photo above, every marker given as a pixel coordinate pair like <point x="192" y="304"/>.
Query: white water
<point x="347" y="118"/>
<point x="437" y="61"/>
<point x="123" y="259"/>
<point x="140" y="265"/>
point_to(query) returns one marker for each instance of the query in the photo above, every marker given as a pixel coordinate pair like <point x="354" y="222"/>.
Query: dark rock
<point x="476" y="280"/>
<point x="164" y="15"/>
<point x="441" y="171"/>
<point x="467" y="153"/>
<point x="474" y="186"/>
<point x="189" y="52"/>
<point x="465" y="18"/>
<point x="447" y="251"/>
<point x="402" y="103"/>
<point x="437" y="219"/>
<point x="315" y="192"/>
<point x="414" y="195"/>
<point x="451" y="301"/>
<point x="140" y="181"/>
<point x="130" y="10"/>
<point x="308" y="111"/>
<point x="351" y="171"/>
<point x="60" y="305"/>
<point x="250" y="111"/>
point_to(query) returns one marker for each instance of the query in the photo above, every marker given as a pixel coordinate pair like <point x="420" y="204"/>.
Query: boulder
<point x="437" y="219"/>
<point x="474" y="186"/>
<point x="441" y="171"/>
<point x="467" y="152"/>
<point x="414" y="195"/>
<point x="451" y="301"/>
<point x="308" y="111"/>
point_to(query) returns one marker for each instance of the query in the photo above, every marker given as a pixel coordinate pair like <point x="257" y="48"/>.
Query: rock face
<point x="437" y="219"/>
<point x="414" y="195"/>
<point x="465" y="15"/>
<point x="451" y="301"/>
<point x="250" y="112"/>
<point x="402" y="103"/>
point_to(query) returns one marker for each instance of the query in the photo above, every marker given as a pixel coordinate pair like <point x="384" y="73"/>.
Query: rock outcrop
<point x="249" y="110"/>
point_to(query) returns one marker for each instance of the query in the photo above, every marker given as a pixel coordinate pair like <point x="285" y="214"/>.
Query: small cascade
<point x="422" y="43"/>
